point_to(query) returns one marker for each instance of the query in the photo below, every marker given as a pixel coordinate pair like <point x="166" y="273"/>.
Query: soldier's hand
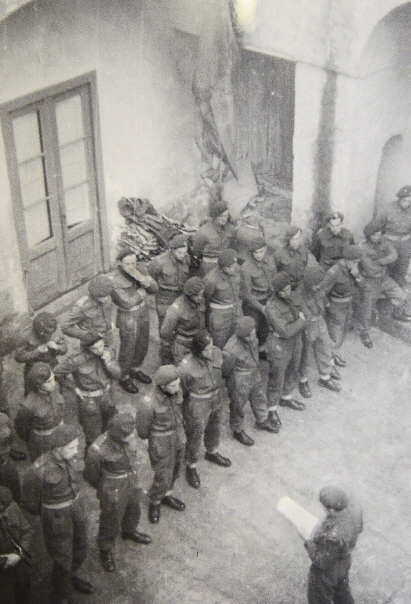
<point x="106" y="356"/>
<point x="12" y="560"/>
<point x="301" y="315"/>
<point x="52" y="345"/>
<point x="42" y="348"/>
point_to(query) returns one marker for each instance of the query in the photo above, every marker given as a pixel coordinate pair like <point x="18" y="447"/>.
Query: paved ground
<point x="231" y="545"/>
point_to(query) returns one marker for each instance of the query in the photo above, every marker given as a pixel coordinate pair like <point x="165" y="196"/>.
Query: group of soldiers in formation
<point x="215" y="327"/>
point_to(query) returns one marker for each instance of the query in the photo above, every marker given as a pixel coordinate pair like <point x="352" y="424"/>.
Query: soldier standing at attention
<point x="396" y="223"/>
<point x="166" y="441"/>
<point x="330" y="549"/>
<point x="286" y="322"/>
<point x="14" y="572"/>
<point x="93" y="313"/>
<point x="202" y="382"/>
<point x="316" y="334"/>
<point x="111" y="469"/>
<point x="93" y="370"/>
<point x="130" y="288"/>
<point x="170" y="270"/>
<point x="51" y="488"/>
<point x="222" y="297"/>
<point x="41" y="412"/>
<point x="214" y="235"/>
<point x="255" y="287"/>
<point x="245" y="382"/>
<point x="44" y="344"/>
<point x="378" y="256"/>
<point x="183" y="318"/>
<point x="339" y="283"/>
<point x="330" y="241"/>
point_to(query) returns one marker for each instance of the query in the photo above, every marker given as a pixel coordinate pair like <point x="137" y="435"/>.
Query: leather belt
<point x="59" y="506"/>
<point x="170" y="288"/>
<point x="91" y="393"/>
<point x="48" y="431"/>
<point x="205" y="395"/>
<point x="180" y="336"/>
<point x="213" y="259"/>
<point x="217" y="306"/>
<point x="341" y="300"/>
<point x="116" y="476"/>
<point x="398" y="237"/>
<point x="135" y="307"/>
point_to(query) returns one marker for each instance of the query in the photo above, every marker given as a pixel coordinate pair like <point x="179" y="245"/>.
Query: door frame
<point x="90" y="80"/>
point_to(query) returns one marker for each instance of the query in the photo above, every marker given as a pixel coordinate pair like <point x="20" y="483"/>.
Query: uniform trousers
<point x="283" y="356"/>
<point x="243" y="386"/>
<point x="317" y="338"/>
<point x="378" y="287"/>
<point x="120" y="509"/>
<point x="328" y="588"/>
<point x="65" y="536"/>
<point x="166" y="452"/>
<point x="261" y="324"/>
<point x="134" y="330"/>
<point x="398" y="269"/>
<point x="221" y="325"/>
<point x="202" y="417"/>
<point x="94" y="414"/>
<point x="15" y="584"/>
<point x="338" y="315"/>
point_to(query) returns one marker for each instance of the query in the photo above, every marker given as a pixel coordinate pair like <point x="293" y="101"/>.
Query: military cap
<point x="334" y="216"/>
<point x="352" y="252"/>
<point x="200" y="340"/>
<point x="178" y="241"/>
<point x="404" y="191"/>
<point x="374" y="226"/>
<point x="244" y="326"/>
<point x="280" y="281"/>
<point x="38" y="374"/>
<point x="44" y="324"/>
<point x="121" y="425"/>
<point x="227" y="258"/>
<point x="257" y="243"/>
<point x="166" y="374"/>
<point x="333" y="498"/>
<point x="217" y="207"/>
<point x="313" y="275"/>
<point x="193" y="286"/>
<point x="291" y="231"/>
<point x="63" y="435"/>
<point x="100" y="287"/>
<point x="5" y="497"/>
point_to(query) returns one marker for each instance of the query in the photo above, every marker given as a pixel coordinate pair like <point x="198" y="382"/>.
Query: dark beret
<point x="374" y="226"/>
<point x="334" y="216"/>
<point x="193" y="286"/>
<point x="217" y="207"/>
<point x="244" y="326"/>
<point x="291" y="231"/>
<point x="178" y="241"/>
<point x="200" y="340"/>
<point x="404" y="191"/>
<point x="257" y="243"/>
<point x="121" y="425"/>
<point x="63" y="435"/>
<point x="38" y="374"/>
<point x="333" y="498"/>
<point x="100" y="287"/>
<point x="44" y="322"/>
<point x="227" y="258"/>
<point x="280" y="281"/>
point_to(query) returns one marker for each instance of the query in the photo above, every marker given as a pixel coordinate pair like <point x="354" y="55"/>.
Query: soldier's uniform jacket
<point x="127" y="293"/>
<point x="89" y="371"/>
<point x="220" y="288"/>
<point x="339" y="282"/>
<point x="328" y="248"/>
<point x="166" y="414"/>
<point x="395" y="220"/>
<point x="50" y="481"/>
<point x="256" y="279"/>
<point x="211" y="238"/>
<point x="108" y="457"/>
<point x="281" y="317"/>
<point x="39" y="411"/>
<point x="88" y="316"/>
<point x="292" y="262"/>
<point x="331" y="545"/>
<point x="183" y="318"/>
<point x="14" y="520"/>
<point x="376" y="257"/>
<point x="240" y="356"/>
<point x="200" y="375"/>
<point x="28" y="353"/>
<point x="170" y="273"/>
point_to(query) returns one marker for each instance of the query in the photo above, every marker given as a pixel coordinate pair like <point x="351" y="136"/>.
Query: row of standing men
<point x="279" y="308"/>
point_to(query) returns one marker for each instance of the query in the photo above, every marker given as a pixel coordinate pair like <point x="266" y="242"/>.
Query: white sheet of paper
<point x="304" y="521"/>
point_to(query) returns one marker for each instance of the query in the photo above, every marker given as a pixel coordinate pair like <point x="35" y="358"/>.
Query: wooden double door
<point x="52" y="166"/>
